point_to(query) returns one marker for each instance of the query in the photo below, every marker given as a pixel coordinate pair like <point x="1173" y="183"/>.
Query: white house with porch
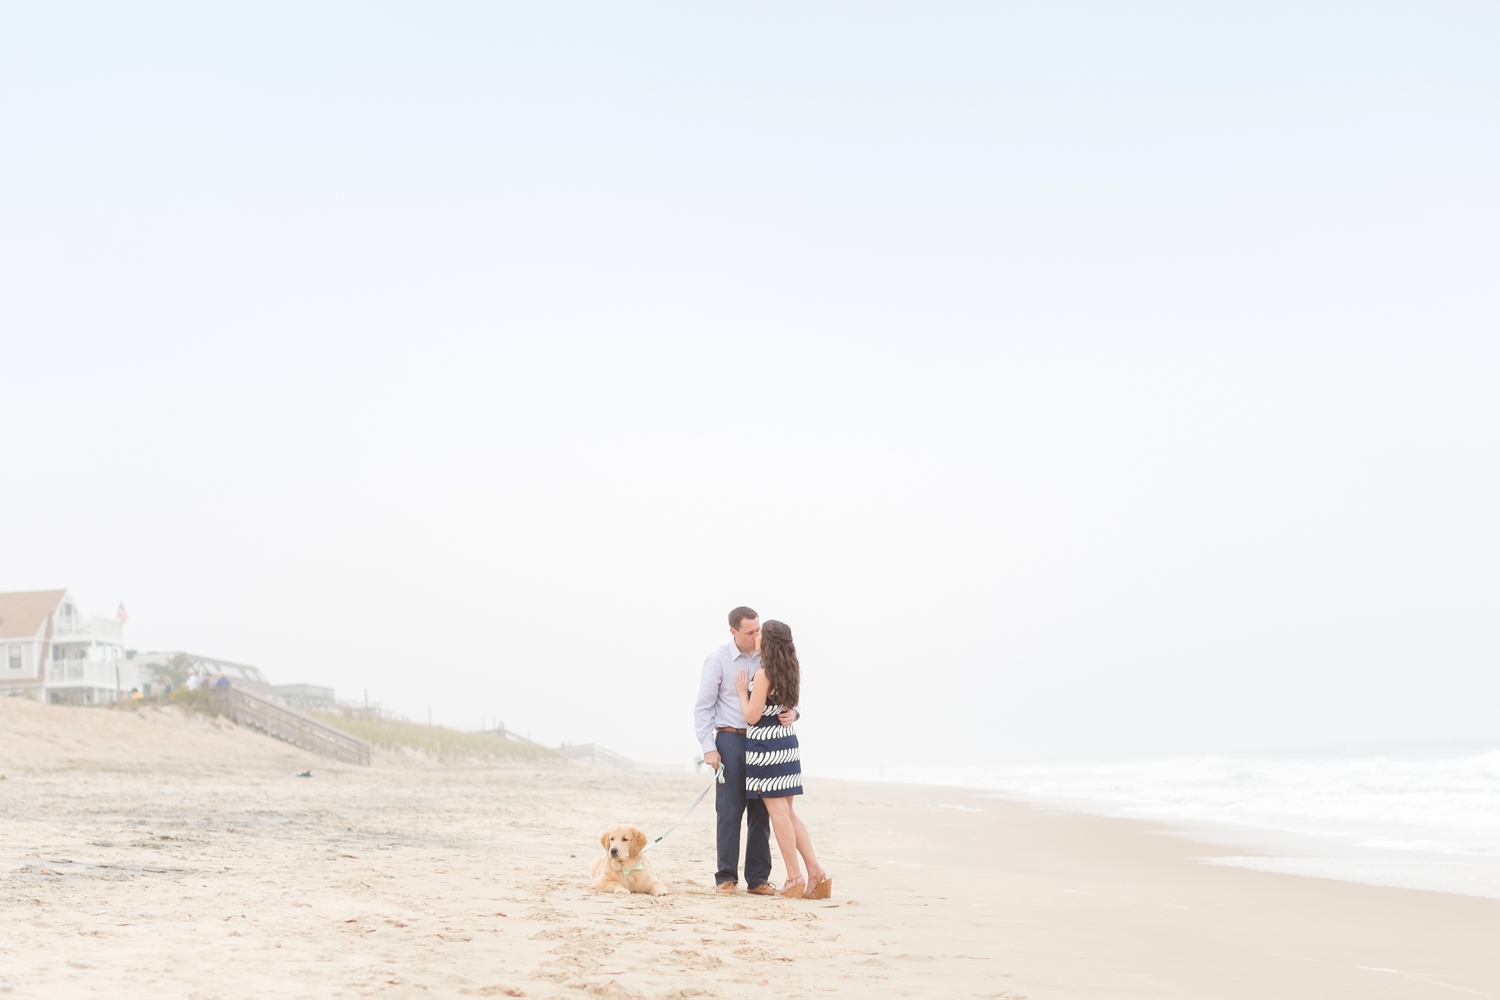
<point x="51" y="651"/>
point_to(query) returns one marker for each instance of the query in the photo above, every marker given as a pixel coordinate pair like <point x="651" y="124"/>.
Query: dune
<point x="153" y="853"/>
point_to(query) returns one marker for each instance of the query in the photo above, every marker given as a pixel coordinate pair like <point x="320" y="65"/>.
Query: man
<point x="721" y="733"/>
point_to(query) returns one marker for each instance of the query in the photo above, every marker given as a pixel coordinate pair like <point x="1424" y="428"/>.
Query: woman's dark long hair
<point x="779" y="666"/>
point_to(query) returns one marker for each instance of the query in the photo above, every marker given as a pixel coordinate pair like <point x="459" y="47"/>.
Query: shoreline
<point x="1422" y="821"/>
<point x="1155" y="907"/>
<point x="157" y="852"/>
<point x="1299" y="853"/>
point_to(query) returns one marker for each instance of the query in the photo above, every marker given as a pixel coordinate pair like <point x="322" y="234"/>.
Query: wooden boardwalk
<point x="292" y="726"/>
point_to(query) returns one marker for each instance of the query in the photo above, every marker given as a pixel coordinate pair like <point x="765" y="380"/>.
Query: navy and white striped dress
<point x="773" y="762"/>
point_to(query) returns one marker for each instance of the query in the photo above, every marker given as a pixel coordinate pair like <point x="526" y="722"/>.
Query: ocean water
<point x="1401" y="818"/>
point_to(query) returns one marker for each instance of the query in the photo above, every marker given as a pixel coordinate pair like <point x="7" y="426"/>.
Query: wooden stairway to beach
<point x="287" y="724"/>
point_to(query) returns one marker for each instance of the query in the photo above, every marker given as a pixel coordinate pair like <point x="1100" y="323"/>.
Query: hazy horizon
<point x="1073" y="379"/>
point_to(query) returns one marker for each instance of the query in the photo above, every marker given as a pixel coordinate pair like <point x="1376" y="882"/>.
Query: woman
<point x="773" y="763"/>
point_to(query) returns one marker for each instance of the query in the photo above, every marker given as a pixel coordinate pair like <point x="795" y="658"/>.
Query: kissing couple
<point x="747" y="702"/>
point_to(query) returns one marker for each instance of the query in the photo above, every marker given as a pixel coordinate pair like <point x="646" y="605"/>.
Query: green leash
<point x="718" y="780"/>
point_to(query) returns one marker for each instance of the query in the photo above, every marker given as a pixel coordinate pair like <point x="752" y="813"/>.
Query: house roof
<point x="22" y="614"/>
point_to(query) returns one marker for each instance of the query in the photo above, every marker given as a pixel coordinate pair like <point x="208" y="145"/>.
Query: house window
<point x="15" y="657"/>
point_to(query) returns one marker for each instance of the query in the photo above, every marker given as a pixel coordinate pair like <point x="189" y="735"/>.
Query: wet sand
<point x="156" y="855"/>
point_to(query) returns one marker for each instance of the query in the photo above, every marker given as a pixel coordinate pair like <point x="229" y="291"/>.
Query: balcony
<point x="78" y="627"/>
<point x="89" y="673"/>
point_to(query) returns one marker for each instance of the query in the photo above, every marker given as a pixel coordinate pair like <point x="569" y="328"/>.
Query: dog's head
<point x="622" y="841"/>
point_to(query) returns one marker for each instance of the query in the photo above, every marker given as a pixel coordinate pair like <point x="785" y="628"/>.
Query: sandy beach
<point x="157" y="854"/>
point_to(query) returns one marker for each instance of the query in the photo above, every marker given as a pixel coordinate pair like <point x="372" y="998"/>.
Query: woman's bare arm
<point x="752" y="706"/>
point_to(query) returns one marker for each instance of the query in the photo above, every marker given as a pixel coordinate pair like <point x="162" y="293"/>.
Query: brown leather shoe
<point x="728" y="888"/>
<point x="764" y="889"/>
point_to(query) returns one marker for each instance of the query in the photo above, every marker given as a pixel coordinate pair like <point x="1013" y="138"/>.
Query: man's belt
<point x="731" y="729"/>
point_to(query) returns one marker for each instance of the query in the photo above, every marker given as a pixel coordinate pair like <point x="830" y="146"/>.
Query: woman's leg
<point x="804" y="843"/>
<point x="780" y="809"/>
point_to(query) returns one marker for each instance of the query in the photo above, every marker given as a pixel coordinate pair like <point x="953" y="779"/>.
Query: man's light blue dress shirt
<point x="718" y="697"/>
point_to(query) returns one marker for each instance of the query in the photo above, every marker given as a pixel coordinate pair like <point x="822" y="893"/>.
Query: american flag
<point x="121" y="615"/>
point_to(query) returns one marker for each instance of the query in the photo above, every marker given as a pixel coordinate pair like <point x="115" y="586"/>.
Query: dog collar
<point x="639" y="865"/>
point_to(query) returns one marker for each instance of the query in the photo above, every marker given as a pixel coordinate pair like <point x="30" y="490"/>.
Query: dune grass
<point x="436" y="741"/>
<point x="199" y="702"/>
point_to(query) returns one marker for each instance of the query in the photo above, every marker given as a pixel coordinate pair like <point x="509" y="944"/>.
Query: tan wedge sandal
<point x="821" y="888"/>
<point x="794" y="886"/>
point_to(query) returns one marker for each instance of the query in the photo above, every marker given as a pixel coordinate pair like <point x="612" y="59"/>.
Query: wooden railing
<point x="292" y="726"/>
<point x="510" y="734"/>
<point x="597" y="755"/>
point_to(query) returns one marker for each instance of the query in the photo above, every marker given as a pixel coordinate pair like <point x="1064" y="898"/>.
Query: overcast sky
<point x="1073" y="379"/>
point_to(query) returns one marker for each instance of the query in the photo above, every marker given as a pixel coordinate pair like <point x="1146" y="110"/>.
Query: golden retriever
<point x="623" y="868"/>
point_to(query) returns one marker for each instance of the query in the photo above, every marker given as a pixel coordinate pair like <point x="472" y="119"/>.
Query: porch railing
<point x="77" y="625"/>
<point x="91" y="673"/>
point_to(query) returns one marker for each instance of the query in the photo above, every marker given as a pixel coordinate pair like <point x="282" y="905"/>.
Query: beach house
<point x="51" y="651"/>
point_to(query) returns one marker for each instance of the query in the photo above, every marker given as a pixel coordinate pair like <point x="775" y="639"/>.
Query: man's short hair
<point x="739" y="614"/>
